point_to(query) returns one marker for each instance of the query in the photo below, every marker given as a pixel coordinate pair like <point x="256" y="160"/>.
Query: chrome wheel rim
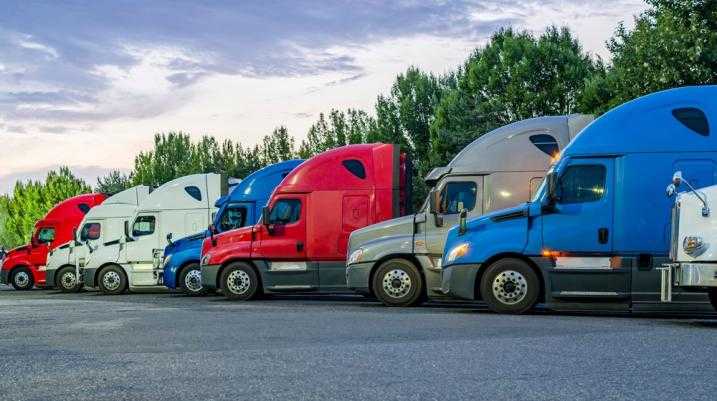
<point x="397" y="283"/>
<point x="193" y="280"/>
<point x="22" y="279"/>
<point x="238" y="282"/>
<point x="510" y="287"/>
<point x="67" y="280"/>
<point x="111" y="280"/>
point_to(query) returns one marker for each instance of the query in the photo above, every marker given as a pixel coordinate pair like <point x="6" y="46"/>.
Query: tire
<point x="112" y="280"/>
<point x="397" y="282"/>
<point x="239" y="282"/>
<point x="713" y="297"/>
<point x="510" y="286"/>
<point x="66" y="280"/>
<point x="190" y="280"/>
<point x="22" y="279"/>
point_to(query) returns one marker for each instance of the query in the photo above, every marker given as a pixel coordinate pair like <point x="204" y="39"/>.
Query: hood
<point x="21" y="248"/>
<point x="398" y="226"/>
<point x="184" y="242"/>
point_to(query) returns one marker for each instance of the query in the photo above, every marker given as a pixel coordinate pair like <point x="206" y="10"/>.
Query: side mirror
<point x="126" y="230"/>
<point x="462" y="222"/>
<point x="265" y="215"/>
<point x="434" y="201"/>
<point x="212" y="231"/>
<point x="552" y="186"/>
<point x="677" y="178"/>
<point x="169" y="239"/>
<point x="671" y="189"/>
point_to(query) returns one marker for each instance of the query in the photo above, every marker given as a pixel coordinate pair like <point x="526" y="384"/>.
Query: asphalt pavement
<point x="163" y="346"/>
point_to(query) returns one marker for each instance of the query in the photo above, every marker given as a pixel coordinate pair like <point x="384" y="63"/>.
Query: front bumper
<point x="459" y="281"/>
<point x="695" y="275"/>
<point x="209" y="276"/>
<point x="4" y="276"/>
<point x="358" y="276"/>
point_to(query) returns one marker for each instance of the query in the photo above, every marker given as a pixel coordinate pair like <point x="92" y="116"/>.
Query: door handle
<point x="603" y="235"/>
<point x="299" y="246"/>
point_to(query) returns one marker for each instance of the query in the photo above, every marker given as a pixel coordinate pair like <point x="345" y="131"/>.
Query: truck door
<point x="282" y="246"/>
<point x="579" y="230"/>
<point x="139" y="253"/>
<point x="43" y="240"/>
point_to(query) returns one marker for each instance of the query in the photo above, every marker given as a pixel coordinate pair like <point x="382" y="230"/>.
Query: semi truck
<point x="398" y="261"/>
<point x="179" y="208"/>
<point x="103" y="223"/>
<point x="242" y="207"/>
<point x="299" y="245"/>
<point x="599" y="227"/>
<point x="693" y="255"/>
<point x="24" y="267"/>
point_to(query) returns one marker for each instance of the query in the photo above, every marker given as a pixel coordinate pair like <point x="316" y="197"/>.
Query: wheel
<point x="66" y="280"/>
<point x="190" y="279"/>
<point x="397" y="282"/>
<point x="510" y="286"/>
<point x="22" y="279"/>
<point x="239" y="282"/>
<point x="713" y="297"/>
<point x="112" y="280"/>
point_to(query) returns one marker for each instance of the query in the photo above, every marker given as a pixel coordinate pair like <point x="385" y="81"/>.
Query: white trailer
<point x="103" y="223"/>
<point x="178" y="208"/>
<point x="693" y="247"/>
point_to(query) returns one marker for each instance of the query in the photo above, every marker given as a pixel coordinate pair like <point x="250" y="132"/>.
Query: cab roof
<point x="657" y="123"/>
<point x="72" y="208"/>
<point x="256" y="187"/>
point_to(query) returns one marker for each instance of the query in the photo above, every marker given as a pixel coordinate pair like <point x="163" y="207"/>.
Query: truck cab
<point x="693" y="254"/>
<point x="242" y="207"/>
<point x="598" y="228"/>
<point x="399" y="261"/>
<point x="300" y="242"/>
<point x="103" y="223"/>
<point x="178" y="208"/>
<point x="24" y="267"/>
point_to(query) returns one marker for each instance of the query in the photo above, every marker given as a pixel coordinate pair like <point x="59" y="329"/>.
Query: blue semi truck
<point x="242" y="207"/>
<point x="599" y="227"/>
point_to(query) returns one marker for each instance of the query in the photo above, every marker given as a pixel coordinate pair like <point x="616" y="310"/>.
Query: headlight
<point x="205" y="259"/>
<point x="166" y="260"/>
<point x="694" y="246"/>
<point x="42" y="268"/>
<point x="457" y="252"/>
<point x="355" y="256"/>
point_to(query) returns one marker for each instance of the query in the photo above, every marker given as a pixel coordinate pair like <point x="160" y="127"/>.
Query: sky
<point x="88" y="83"/>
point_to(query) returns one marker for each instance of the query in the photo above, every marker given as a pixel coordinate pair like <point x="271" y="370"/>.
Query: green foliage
<point x="673" y="44"/>
<point x="31" y="200"/>
<point x="113" y="183"/>
<point x="514" y="77"/>
<point x="341" y="128"/>
<point x="278" y="146"/>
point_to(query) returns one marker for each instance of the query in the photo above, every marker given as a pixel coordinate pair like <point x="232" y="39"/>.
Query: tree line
<point x="516" y="75"/>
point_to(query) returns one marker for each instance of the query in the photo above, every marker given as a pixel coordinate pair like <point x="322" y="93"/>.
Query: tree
<point x="673" y="44"/>
<point x="340" y="129"/>
<point x="113" y="183"/>
<point x="31" y="200"/>
<point x="514" y="77"/>
<point x="278" y="146"/>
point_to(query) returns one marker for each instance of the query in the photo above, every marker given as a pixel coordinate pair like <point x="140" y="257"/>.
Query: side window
<point x="582" y="183"/>
<point x="546" y="143"/>
<point x="285" y="211"/>
<point x="694" y="119"/>
<point x="457" y="193"/>
<point x="355" y="167"/>
<point x="46" y="235"/>
<point x="84" y="208"/>
<point x="144" y="225"/>
<point x="194" y="192"/>
<point x="90" y="231"/>
<point x="232" y="217"/>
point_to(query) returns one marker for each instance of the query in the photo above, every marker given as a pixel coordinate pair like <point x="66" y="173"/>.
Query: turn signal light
<point x="547" y="253"/>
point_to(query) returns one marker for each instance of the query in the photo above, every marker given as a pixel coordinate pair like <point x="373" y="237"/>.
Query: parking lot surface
<point x="162" y="346"/>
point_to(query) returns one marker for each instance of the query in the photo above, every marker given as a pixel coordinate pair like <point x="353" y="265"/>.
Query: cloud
<point x="30" y="45"/>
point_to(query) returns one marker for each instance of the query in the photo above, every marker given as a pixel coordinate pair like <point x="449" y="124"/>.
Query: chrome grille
<point x="675" y="231"/>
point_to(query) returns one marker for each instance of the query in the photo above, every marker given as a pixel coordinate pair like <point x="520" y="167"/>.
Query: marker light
<point x="355" y="256"/>
<point x="457" y="252"/>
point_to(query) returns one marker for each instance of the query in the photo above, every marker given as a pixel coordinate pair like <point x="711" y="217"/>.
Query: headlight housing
<point x="205" y="260"/>
<point x="694" y="246"/>
<point x="457" y="252"/>
<point x="355" y="256"/>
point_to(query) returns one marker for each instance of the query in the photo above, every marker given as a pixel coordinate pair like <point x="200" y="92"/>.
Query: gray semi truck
<point x="399" y="261"/>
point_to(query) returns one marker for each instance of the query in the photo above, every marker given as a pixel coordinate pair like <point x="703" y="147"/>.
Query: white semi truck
<point x="176" y="209"/>
<point x="693" y="247"/>
<point x="103" y="223"/>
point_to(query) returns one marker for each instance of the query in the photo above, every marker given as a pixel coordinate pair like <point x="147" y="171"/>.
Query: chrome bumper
<point x="697" y="275"/>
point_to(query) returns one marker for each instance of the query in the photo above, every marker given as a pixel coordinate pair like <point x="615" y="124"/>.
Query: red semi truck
<point x="299" y="245"/>
<point x="24" y="267"/>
